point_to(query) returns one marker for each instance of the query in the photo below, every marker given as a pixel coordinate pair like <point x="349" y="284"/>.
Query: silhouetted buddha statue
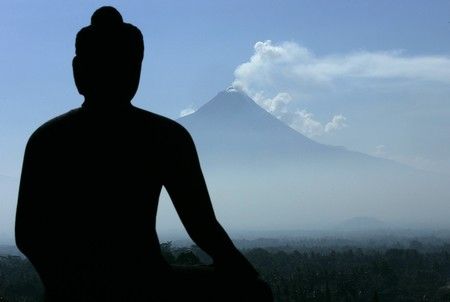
<point x="91" y="181"/>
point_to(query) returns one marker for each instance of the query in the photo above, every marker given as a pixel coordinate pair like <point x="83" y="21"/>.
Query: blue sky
<point x="374" y="73"/>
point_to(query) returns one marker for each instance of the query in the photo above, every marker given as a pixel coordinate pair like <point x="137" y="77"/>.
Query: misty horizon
<point x="363" y="94"/>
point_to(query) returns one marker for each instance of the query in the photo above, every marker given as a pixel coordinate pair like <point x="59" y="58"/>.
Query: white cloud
<point x="338" y="122"/>
<point x="305" y="122"/>
<point x="278" y="76"/>
<point x="287" y="79"/>
<point x="275" y="67"/>
<point x="187" y="111"/>
<point x="273" y="105"/>
<point x="289" y="64"/>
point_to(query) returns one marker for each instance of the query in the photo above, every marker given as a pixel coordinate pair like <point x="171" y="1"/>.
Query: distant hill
<point x="362" y="223"/>
<point x="11" y="250"/>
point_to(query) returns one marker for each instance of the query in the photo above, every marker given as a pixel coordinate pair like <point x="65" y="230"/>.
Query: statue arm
<point x="187" y="189"/>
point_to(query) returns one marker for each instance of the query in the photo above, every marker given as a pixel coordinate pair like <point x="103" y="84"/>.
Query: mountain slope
<point x="262" y="173"/>
<point x="233" y="127"/>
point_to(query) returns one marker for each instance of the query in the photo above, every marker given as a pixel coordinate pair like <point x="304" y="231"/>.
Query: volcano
<point x="263" y="173"/>
<point x="233" y="128"/>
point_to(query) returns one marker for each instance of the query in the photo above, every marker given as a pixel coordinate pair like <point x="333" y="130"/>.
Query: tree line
<point x="350" y="274"/>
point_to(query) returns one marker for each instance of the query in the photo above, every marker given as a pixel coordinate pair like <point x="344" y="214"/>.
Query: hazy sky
<point x="373" y="76"/>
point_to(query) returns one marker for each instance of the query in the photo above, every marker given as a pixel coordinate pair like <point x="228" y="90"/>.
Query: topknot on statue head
<point x="109" y="35"/>
<point x="106" y="16"/>
<point x="108" y="57"/>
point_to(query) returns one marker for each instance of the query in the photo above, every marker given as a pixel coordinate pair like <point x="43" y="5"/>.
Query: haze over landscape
<point x="264" y="175"/>
<point x="336" y="114"/>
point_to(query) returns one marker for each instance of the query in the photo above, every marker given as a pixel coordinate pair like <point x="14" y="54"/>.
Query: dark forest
<point x="322" y="272"/>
